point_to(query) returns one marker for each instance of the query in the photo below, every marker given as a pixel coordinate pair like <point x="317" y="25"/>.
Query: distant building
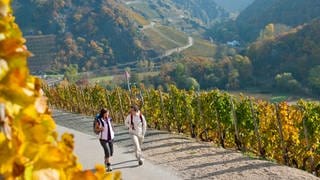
<point x="233" y="43"/>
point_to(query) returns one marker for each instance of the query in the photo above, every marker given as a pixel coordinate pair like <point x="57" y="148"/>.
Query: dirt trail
<point x="90" y="153"/>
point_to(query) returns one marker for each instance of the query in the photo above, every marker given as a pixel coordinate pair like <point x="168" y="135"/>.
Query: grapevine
<point x="267" y="130"/>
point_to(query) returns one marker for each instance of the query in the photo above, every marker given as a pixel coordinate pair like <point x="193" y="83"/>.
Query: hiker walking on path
<point x="105" y="130"/>
<point x="137" y="125"/>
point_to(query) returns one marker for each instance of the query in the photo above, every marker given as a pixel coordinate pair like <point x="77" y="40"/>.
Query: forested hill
<point x="255" y="17"/>
<point x="90" y="33"/>
<point x="205" y="10"/>
<point x="290" y="61"/>
<point x="187" y="15"/>
<point x="95" y="33"/>
<point x="288" y="12"/>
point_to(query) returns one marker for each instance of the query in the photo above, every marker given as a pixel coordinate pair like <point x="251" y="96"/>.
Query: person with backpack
<point x="105" y="130"/>
<point x="137" y="125"/>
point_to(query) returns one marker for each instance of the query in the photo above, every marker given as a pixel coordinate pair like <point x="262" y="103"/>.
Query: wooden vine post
<point x="221" y="138"/>
<point x="256" y="130"/>
<point x="201" y="119"/>
<point x="78" y="100"/>
<point x="235" y="122"/>
<point x="284" y="150"/>
<point x="163" y="112"/>
<point x="120" y="103"/>
<point x="109" y="104"/>
<point x="191" y="124"/>
<point x="174" y="108"/>
<point x="306" y="134"/>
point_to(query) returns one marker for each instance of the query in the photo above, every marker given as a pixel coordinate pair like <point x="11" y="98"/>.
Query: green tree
<point x="191" y="83"/>
<point x="145" y="65"/>
<point x="267" y="32"/>
<point x="233" y="79"/>
<point x="180" y="70"/>
<point x="286" y="82"/>
<point x="134" y="79"/>
<point x="314" y="78"/>
<point x="243" y="65"/>
<point x="71" y="73"/>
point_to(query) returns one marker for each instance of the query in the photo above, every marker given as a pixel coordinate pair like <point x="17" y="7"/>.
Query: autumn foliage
<point x="29" y="145"/>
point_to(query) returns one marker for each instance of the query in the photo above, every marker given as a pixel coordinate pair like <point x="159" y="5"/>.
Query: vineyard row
<point x="289" y="134"/>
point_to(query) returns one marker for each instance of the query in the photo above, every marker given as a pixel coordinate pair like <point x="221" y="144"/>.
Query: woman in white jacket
<point x="137" y="125"/>
<point x="106" y="135"/>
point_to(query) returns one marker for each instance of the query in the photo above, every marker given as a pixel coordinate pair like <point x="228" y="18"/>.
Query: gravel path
<point x="90" y="153"/>
<point x="189" y="158"/>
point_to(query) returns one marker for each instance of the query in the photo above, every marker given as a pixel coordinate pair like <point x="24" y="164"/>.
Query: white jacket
<point x="139" y="128"/>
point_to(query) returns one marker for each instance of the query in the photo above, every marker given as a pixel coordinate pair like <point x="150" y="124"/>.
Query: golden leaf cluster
<point x="29" y="145"/>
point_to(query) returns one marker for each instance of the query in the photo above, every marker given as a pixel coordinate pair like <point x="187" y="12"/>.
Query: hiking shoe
<point x="140" y="162"/>
<point x="108" y="169"/>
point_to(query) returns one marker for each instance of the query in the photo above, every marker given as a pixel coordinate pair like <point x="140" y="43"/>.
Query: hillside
<point x="186" y="15"/>
<point x="43" y="48"/>
<point x="105" y="33"/>
<point x="255" y="17"/>
<point x="164" y="39"/>
<point x="89" y="33"/>
<point x="297" y="53"/>
<point x="288" y="12"/>
<point x="205" y="10"/>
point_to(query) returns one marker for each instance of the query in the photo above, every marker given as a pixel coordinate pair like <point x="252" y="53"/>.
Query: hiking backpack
<point x="97" y="119"/>
<point x="132" y="125"/>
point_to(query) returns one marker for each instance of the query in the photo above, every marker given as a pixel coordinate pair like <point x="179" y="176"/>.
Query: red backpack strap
<point x="141" y="119"/>
<point x="132" y="125"/>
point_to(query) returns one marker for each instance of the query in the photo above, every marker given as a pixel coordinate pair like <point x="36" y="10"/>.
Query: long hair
<point x="102" y="112"/>
<point x="135" y="107"/>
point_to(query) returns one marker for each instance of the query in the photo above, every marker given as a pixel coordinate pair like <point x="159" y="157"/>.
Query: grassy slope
<point x="155" y="37"/>
<point x="145" y="10"/>
<point x="201" y="48"/>
<point x="157" y="41"/>
<point x="174" y="34"/>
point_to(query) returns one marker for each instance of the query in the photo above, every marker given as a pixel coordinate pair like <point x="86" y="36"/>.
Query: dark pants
<point x="107" y="147"/>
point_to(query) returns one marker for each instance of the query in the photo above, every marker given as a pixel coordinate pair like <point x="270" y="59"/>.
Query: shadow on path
<point x="124" y="162"/>
<point x="182" y="149"/>
<point x="164" y="139"/>
<point x="203" y="155"/>
<point x="217" y="163"/>
<point x="125" y="165"/>
<point x="239" y="169"/>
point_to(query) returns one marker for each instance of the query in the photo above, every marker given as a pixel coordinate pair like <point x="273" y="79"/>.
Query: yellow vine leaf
<point x="29" y="144"/>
